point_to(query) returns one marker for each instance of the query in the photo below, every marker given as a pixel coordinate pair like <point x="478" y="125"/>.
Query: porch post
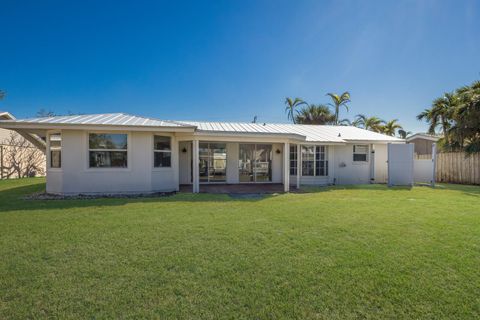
<point x="195" y="169"/>
<point x="299" y="164"/>
<point x="286" y="167"/>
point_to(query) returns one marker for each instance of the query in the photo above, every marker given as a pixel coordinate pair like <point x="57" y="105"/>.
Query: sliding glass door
<point x="213" y="162"/>
<point x="255" y="163"/>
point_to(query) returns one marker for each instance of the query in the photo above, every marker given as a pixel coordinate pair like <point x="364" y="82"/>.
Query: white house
<point x="121" y="153"/>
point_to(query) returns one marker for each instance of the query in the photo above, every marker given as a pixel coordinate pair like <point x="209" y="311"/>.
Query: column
<point x="286" y="167"/>
<point x="195" y="169"/>
<point x="299" y="164"/>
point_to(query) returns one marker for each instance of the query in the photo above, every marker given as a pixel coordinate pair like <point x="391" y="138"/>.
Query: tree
<point x="42" y="113"/>
<point x="369" y="123"/>
<point x="315" y="114"/>
<point x="457" y="114"/>
<point x="391" y="127"/>
<point x="20" y="158"/>
<point x="338" y="102"/>
<point x="404" y="134"/>
<point x="291" y="105"/>
<point x="465" y="131"/>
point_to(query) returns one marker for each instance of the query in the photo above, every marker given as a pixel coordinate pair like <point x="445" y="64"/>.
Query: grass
<point x="365" y="252"/>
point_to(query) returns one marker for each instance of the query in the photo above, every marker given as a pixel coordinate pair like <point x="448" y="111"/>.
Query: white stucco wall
<point x="185" y="168"/>
<point x="140" y="176"/>
<point x="346" y="170"/>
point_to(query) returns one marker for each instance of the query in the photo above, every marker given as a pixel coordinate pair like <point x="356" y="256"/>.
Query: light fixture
<point x="184" y="150"/>
<point x="278" y="151"/>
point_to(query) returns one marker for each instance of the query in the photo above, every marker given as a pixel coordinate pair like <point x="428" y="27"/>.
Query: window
<point x="308" y="160"/>
<point x="360" y="153"/>
<point x="293" y="160"/>
<point x="314" y="161"/>
<point x="107" y="150"/>
<point x="162" y="152"/>
<point x="321" y="162"/>
<point x="55" y="141"/>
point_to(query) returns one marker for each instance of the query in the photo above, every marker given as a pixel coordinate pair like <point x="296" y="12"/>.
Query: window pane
<point x="360" y="149"/>
<point x="55" y="140"/>
<point x="161" y="143"/>
<point x="55" y="159"/>
<point x="359" y="157"/>
<point x="108" y="159"/>
<point x="162" y="159"/>
<point x="107" y="141"/>
<point x="293" y="160"/>
<point x="308" y="160"/>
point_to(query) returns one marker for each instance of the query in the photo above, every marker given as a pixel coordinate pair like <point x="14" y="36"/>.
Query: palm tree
<point x="2" y="94"/>
<point x="391" y="126"/>
<point x="440" y="114"/>
<point x="404" y="134"/>
<point x="290" y="106"/>
<point x="369" y="123"/>
<point x="315" y="114"/>
<point x="338" y="102"/>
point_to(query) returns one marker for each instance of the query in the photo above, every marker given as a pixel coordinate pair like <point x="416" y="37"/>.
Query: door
<point x="255" y="163"/>
<point x="212" y="162"/>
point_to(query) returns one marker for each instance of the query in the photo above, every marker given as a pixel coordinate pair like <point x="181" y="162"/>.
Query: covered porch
<point x="226" y="165"/>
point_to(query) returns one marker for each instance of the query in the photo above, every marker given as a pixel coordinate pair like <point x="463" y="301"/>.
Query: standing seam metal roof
<point x="120" y="119"/>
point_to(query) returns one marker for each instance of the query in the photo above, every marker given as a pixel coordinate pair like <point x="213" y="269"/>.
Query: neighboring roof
<point x="4" y="115"/>
<point x="312" y="133"/>
<point x="32" y="138"/>
<point x="424" y="136"/>
<point x="114" y="119"/>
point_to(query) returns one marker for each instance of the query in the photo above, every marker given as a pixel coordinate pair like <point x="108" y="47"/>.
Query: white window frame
<point x="315" y="160"/>
<point x="99" y="169"/>
<point x="50" y="149"/>
<point x="162" y="151"/>
<point x="367" y="153"/>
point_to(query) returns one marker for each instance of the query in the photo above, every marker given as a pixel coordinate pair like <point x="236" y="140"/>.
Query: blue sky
<point x="231" y="60"/>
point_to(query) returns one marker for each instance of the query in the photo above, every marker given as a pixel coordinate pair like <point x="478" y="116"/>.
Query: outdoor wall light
<point x="184" y="150"/>
<point x="278" y="151"/>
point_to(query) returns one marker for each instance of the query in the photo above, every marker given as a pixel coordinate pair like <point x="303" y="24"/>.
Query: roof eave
<point x="74" y="126"/>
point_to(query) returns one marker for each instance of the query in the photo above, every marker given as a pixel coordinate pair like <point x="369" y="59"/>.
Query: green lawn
<point x="334" y="253"/>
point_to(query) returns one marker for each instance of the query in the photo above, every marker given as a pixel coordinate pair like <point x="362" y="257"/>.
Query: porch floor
<point x="236" y="188"/>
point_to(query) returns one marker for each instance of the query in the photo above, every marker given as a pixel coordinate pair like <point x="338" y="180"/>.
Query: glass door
<point x="255" y="163"/>
<point x="213" y="162"/>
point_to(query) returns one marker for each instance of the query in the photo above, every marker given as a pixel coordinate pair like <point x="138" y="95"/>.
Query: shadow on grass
<point x="12" y="199"/>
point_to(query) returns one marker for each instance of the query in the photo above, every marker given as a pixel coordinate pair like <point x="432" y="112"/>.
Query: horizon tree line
<point x="301" y="112"/>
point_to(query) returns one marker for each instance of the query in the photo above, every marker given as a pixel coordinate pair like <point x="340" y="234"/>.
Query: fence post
<point x="434" y="160"/>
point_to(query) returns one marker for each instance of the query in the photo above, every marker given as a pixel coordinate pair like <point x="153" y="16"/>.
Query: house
<point x="121" y="153"/>
<point x="27" y="157"/>
<point x="423" y="142"/>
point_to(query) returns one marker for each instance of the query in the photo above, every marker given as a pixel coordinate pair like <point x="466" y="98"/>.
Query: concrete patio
<point x="260" y="188"/>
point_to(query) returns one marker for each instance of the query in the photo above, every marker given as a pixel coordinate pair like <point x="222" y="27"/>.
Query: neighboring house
<point x="28" y="156"/>
<point x="423" y="143"/>
<point x="121" y="153"/>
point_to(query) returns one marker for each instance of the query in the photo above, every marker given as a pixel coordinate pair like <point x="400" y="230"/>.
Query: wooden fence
<point x="456" y="167"/>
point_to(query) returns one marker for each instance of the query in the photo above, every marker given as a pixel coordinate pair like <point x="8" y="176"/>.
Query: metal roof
<point x="312" y="133"/>
<point x="114" y="119"/>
